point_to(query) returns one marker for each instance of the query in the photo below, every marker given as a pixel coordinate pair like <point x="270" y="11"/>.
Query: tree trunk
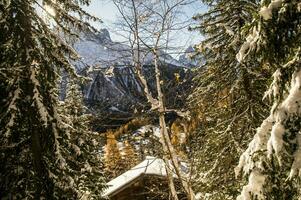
<point x="169" y="173"/>
<point x="166" y="142"/>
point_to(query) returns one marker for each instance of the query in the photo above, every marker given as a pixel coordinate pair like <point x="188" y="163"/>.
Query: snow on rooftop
<point x="150" y="166"/>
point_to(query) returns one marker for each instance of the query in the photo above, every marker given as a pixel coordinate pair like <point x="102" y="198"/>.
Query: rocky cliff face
<point x="117" y="86"/>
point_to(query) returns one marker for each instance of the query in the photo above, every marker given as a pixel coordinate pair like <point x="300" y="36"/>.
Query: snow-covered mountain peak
<point x="101" y="37"/>
<point x="98" y="50"/>
<point x="104" y="35"/>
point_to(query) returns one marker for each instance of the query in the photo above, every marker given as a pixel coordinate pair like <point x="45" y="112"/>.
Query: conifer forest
<point x="150" y="99"/>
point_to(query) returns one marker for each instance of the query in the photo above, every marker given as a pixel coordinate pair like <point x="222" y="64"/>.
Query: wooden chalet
<point x="145" y="181"/>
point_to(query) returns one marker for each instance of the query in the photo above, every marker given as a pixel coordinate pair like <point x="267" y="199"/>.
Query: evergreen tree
<point x="82" y="143"/>
<point x="272" y="160"/>
<point x="227" y="98"/>
<point x="35" y="161"/>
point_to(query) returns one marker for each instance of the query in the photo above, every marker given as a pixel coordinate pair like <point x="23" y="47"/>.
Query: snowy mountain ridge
<point x="98" y="50"/>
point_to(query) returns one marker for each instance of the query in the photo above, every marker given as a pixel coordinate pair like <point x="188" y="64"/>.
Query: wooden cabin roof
<point x="150" y="166"/>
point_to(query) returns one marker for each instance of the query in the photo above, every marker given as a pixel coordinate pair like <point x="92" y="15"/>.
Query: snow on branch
<point x="12" y="108"/>
<point x="269" y="138"/>
<point x="266" y="11"/>
<point x="274" y="89"/>
<point x="60" y="159"/>
<point x="259" y="143"/>
<point x="254" y="36"/>
<point x="249" y="44"/>
<point x="254" y="187"/>
<point x="37" y="98"/>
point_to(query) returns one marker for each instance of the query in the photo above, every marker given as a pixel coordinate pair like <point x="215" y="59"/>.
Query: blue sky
<point x="107" y="11"/>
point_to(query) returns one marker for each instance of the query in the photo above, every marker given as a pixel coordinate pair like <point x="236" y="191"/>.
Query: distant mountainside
<point x="98" y="50"/>
<point x="115" y="88"/>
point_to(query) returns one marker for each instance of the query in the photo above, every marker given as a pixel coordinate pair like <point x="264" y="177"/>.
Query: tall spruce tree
<point x="35" y="157"/>
<point x="227" y="96"/>
<point x="272" y="159"/>
<point x="85" y="163"/>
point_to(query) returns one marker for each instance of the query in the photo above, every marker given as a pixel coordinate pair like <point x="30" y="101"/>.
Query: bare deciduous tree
<point x="148" y="25"/>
